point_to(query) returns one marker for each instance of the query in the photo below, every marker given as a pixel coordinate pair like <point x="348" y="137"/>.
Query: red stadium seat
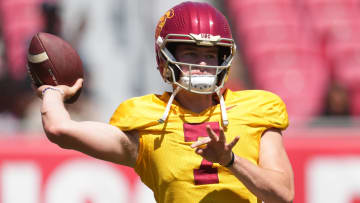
<point x="346" y="68"/>
<point x="355" y="101"/>
<point x="293" y="48"/>
<point x="20" y="20"/>
<point x="271" y="35"/>
<point x="255" y="13"/>
<point x="299" y="77"/>
<point x="327" y="14"/>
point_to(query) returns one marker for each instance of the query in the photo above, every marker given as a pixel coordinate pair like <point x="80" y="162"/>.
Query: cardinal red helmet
<point x="200" y="24"/>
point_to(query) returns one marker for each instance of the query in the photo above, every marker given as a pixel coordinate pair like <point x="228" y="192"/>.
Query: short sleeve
<point x="274" y="111"/>
<point x="136" y="113"/>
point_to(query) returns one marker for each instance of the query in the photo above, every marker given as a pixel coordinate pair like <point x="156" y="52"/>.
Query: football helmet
<point x="202" y="25"/>
<point x="199" y="24"/>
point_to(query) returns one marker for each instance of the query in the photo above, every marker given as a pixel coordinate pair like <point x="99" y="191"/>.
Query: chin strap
<point x="223" y="109"/>
<point x="167" y="109"/>
<point x="171" y="99"/>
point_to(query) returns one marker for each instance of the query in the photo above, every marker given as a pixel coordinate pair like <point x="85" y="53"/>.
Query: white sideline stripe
<point x="38" y="58"/>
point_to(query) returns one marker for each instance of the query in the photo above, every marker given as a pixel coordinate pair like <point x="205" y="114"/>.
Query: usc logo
<point x="169" y="14"/>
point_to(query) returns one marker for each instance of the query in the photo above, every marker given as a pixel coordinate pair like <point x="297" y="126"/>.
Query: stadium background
<point x="306" y="51"/>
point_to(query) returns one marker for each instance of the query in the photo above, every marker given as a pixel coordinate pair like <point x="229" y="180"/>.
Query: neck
<point x="194" y="102"/>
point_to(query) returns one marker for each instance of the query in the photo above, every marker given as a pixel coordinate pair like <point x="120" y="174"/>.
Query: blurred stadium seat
<point x="20" y="20"/>
<point x="298" y="77"/>
<point x="282" y="54"/>
<point x="337" y="23"/>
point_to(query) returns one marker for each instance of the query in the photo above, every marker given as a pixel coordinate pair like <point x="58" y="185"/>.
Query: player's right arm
<point x="100" y="140"/>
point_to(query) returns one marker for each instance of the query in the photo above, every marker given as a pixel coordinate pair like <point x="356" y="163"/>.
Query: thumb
<point x="233" y="143"/>
<point x="78" y="84"/>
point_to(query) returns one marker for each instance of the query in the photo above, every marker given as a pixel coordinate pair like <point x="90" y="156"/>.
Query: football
<point x="52" y="61"/>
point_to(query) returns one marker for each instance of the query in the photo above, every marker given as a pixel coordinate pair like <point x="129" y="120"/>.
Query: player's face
<point x="201" y="55"/>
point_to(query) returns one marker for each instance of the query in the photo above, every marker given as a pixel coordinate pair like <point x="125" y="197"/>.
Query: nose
<point x="203" y="63"/>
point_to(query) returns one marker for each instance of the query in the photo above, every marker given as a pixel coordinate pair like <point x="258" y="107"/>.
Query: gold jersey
<point x="169" y="166"/>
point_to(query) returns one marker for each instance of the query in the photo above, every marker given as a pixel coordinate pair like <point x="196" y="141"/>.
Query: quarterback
<point x="200" y="142"/>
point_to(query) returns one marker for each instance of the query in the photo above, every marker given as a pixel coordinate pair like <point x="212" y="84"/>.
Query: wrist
<point x="232" y="160"/>
<point x="53" y="89"/>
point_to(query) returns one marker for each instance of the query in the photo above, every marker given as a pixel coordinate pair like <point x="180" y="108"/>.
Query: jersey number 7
<point x="206" y="174"/>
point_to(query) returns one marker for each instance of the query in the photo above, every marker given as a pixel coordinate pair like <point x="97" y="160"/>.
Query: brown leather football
<point x="52" y="61"/>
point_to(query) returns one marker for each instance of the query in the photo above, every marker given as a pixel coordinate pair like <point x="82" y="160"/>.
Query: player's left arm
<point x="277" y="182"/>
<point x="271" y="180"/>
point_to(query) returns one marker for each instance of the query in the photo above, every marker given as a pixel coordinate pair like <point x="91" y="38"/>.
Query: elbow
<point x="283" y="199"/>
<point x="287" y="196"/>
<point x="58" y="134"/>
<point x="290" y="197"/>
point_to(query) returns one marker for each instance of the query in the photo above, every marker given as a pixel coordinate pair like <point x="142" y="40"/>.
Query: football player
<point x="198" y="143"/>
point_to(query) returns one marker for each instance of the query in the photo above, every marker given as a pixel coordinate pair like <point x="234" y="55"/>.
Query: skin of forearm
<point x="268" y="185"/>
<point x="84" y="136"/>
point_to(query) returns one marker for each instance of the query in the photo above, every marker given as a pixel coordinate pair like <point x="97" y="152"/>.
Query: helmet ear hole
<point x="171" y="47"/>
<point x="169" y="68"/>
<point x="224" y="52"/>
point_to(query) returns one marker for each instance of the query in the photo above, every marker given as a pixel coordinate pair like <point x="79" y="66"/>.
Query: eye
<point x="190" y="54"/>
<point x="211" y="56"/>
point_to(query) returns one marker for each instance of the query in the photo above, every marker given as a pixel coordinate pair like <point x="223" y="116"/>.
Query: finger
<point x="199" y="151"/>
<point x="222" y="137"/>
<point x="233" y="143"/>
<point x="211" y="133"/>
<point x="201" y="142"/>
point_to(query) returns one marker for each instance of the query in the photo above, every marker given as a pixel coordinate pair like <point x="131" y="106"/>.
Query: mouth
<point x="196" y="72"/>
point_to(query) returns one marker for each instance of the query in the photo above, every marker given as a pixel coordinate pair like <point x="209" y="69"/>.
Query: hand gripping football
<point x="52" y="61"/>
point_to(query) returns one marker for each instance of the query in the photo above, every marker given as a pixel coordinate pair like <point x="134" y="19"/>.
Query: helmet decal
<point x="169" y="14"/>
